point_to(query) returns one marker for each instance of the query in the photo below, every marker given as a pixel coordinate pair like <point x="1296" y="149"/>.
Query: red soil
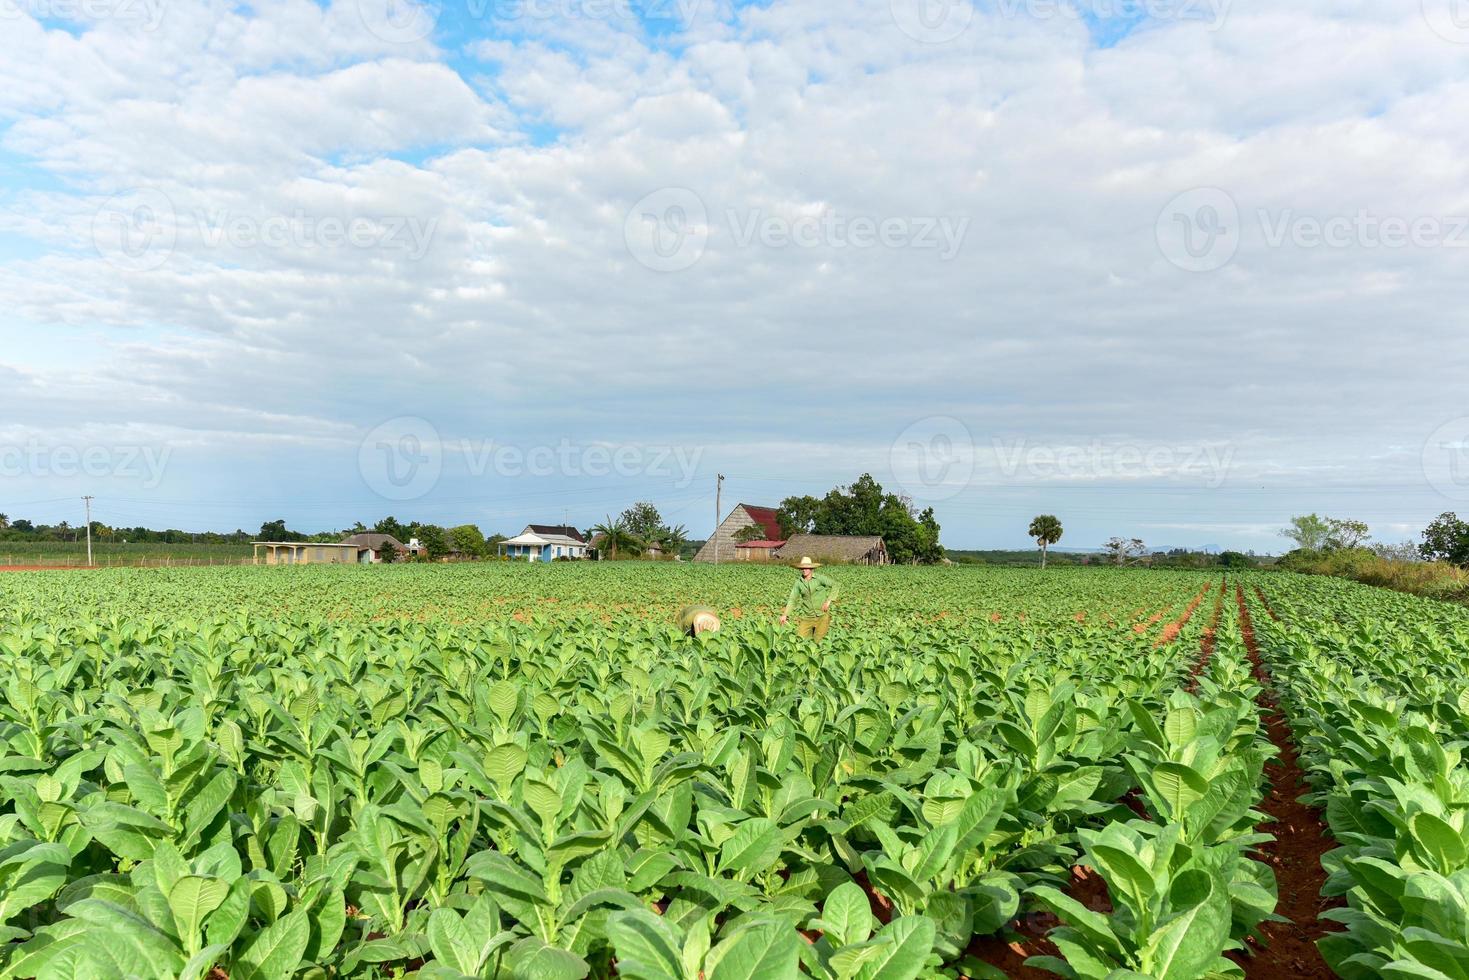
<point x="1171" y="631"/>
<point x="1026" y="936"/>
<point x="1206" y="647"/>
<point x="1266" y="603"/>
<point x="1295" y="854"/>
<point x="48" y="568"/>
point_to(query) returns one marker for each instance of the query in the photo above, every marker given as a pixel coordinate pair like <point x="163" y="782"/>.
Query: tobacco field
<point x="526" y="772"/>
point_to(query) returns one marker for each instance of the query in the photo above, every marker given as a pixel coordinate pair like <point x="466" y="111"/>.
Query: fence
<point x="115" y="561"/>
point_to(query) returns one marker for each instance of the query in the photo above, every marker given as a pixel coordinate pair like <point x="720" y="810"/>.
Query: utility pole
<point x="718" y="511"/>
<point x="88" y="502"/>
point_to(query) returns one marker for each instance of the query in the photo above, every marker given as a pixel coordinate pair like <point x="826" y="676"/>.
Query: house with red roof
<point x="757" y="550"/>
<point x="722" y="544"/>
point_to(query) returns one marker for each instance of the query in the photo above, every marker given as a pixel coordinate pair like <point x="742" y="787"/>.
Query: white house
<point x="545" y="542"/>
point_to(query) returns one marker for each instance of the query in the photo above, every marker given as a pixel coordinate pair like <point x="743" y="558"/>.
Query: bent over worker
<point x="694" y="620"/>
<point x="811" y="599"/>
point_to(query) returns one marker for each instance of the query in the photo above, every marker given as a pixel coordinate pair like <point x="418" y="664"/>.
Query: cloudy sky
<point x="1167" y="268"/>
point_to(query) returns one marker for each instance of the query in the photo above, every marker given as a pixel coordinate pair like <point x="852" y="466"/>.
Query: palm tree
<point x="674" y="539"/>
<point x="1047" y="530"/>
<point x="615" y="535"/>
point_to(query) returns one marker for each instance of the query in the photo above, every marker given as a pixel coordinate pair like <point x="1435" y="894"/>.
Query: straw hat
<point x="706" y="622"/>
<point x="806" y="562"/>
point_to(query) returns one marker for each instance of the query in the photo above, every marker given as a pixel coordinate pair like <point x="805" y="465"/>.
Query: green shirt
<point x="808" y="596"/>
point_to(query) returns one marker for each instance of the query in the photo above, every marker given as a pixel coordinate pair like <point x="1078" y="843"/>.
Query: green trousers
<point x="814" y="628"/>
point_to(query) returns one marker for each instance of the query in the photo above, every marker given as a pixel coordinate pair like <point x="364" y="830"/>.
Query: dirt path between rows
<point x="1207" y="646"/>
<point x="1173" y="629"/>
<point x="1295" y="854"/>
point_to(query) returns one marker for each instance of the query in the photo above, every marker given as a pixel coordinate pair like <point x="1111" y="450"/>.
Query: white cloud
<point x="507" y="299"/>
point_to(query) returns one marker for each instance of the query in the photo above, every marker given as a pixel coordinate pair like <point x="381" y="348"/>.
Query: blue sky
<point x="1174" y="269"/>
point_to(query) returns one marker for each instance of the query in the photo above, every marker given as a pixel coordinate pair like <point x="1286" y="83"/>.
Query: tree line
<point x="865" y="508"/>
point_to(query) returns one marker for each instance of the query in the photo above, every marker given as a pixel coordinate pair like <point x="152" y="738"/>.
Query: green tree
<point x="929" y="550"/>
<point x="1046" y="530"/>
<point x="1235" y="559"/>
<point x="797" y="515"/>
<point x="642" y="520"/>
<point x="1346" y="534"/>
<point x="864" y="508"/>
<point x="387" y="554"/>
<point x="434" y="539"/>
<point x="613" y="536"/>
<point x="1447" y="539"/>
<point x="269" y="531"/>
<point x="755" y="532"/>
<point x="390" y="525"/>
<point x="4" y="522"/>
<point x="672" y="539"/>
<point x="1309" y="531"/>
<point x="468" y="540"/>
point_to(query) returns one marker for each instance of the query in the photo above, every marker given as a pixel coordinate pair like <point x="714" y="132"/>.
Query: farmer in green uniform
<point x="811" y="599"/>
<point x="694" y="620"/>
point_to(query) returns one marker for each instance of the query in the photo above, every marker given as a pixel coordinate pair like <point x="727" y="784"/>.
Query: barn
<point x="835" y="549"/>
<point x="722" y="543"/>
